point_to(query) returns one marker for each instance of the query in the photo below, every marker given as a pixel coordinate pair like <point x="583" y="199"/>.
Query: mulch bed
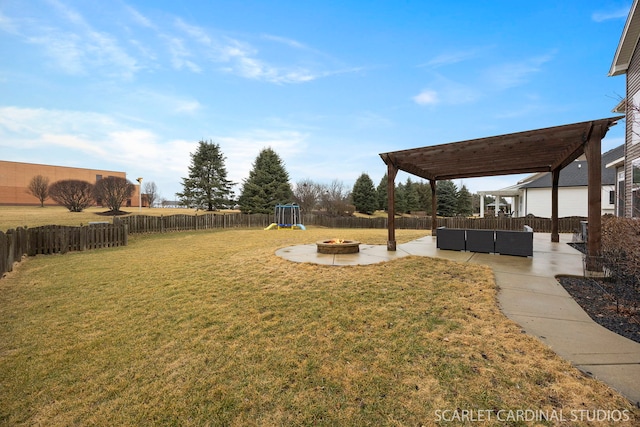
<point x="614" y="307"/>
<point x="112" y="213"/>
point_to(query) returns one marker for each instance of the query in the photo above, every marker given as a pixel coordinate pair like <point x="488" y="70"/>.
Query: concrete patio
<point x="529" y="295"/>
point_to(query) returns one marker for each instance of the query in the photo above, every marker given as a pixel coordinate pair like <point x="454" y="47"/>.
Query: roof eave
<point x="615" y="163"/>
<point x="628" y="41"/>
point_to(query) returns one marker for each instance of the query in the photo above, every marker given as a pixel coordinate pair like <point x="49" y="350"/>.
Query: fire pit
<point x="338" y="246"/>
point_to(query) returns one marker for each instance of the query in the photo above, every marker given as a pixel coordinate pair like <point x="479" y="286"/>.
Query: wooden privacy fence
<point x="13" y="246"/>
<point x="540" y="225"/>
<point x="51" y="239"/>
<point x="162" y="224"/>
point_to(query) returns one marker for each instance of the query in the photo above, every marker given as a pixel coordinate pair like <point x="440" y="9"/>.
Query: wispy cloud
<point x="197" y="33"/>
<point x="94" y="137"/>
<point x="7" y="24"/>
<point x="286" y="41"/>
<point x="444" y="90"/>
<point x="172" y="103"/>
<point x="241" y="149"/>
<point x="72" y="44"/>
<point x="496" y="78"/>
<point x="511" y="74"/>
<point x="453" y="57"/>
<point x="427" y="97"/>
<point x="243" y="59"/>
<point x="180" y="55"/>
<point x="606" y="15"/>
<point x="79" y="45"/>
<point x="139" y="18"/>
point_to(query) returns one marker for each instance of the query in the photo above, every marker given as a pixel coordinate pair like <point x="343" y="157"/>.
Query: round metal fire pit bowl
<point x="344" y="247"/>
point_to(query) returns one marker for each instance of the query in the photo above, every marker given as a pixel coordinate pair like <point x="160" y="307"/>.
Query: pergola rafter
<point x="540" y="150"/>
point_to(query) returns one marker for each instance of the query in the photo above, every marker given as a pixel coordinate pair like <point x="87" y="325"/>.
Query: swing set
<point x="286" y="217"/>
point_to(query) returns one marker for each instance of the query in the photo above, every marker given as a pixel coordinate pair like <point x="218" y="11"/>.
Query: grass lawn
<point x="211" y="328"/>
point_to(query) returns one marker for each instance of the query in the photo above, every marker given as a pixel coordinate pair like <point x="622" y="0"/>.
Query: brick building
<point x="15" y="178"/>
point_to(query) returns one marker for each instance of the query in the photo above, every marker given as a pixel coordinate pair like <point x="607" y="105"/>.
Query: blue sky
<point x="134" y="85"/>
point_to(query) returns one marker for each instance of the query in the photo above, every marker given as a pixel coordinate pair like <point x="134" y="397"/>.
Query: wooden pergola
<point x="540" y="150"/>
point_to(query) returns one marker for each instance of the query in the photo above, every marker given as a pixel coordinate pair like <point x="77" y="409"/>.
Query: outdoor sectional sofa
<point x="518" y="243"/>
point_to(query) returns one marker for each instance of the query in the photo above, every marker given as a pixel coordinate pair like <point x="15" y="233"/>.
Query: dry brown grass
<point x="211" y="328"/>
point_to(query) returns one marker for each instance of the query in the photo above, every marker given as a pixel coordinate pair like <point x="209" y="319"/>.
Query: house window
<point x="98" y="178"/>
<point x="612" y="197"/>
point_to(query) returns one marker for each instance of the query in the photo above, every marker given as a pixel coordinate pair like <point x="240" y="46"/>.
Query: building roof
<point x="541" y="150"/>
<point x="628" y="42"/>
<point x="575" y="174"/>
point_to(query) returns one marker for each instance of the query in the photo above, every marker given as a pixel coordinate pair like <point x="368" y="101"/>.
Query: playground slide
<point x="300" y="226"/>
<point x="272" y="226"/>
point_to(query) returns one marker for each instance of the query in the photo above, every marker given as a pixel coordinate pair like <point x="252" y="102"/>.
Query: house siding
<point x="572" y="201"/>
<point x="632" y="150"/>
<point x="15" y="178"/>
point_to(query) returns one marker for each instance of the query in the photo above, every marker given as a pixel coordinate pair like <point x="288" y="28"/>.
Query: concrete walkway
<point x="530" y="295"/>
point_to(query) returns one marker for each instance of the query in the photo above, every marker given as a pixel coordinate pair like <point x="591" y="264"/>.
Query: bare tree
<point x="307" y="194"/>
<point x="151" y="192"/>
<point x="39" y="188"/>
<point x="335" y="199"/>
<point x="112" y="191"/>
<point x="73" y="194"/>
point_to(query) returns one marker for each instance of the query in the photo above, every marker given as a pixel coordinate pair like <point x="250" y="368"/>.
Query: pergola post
<point x="392" y="171"/>
<point x="481" y="205"/>
<point x="434" y="208"/>
<point x="594" y="195"/>
<point x="555" y="177"/>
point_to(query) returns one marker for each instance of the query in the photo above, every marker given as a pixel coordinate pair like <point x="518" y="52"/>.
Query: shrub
<point x="73" y="194"/>
<point x="113" y="191"/>
<point x="621" y="256"/>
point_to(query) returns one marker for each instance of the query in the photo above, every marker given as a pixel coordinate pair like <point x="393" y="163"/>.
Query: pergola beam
<point x="555" y="179"/>
<point x="594" y="194"/>
<point x="434" y="208"/>
<point x="392" y="171"/>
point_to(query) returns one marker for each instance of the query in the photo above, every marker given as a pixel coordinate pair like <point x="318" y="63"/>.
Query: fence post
<point x="64" y="240"/>
<point x="11" y="247"/>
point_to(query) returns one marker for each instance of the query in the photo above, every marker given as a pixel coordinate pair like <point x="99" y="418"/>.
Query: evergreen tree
<point x="465" y="202"/>
<point x="447" y="195"/>
<point x="401" y="199"/>
<point x="424" y="196"/>
<point x="364" y="195"/>
<point x="267" y="185"/>
<point x="383" y="196"/>
<point x="207" y="186"/>
<point x="411" y="196"/>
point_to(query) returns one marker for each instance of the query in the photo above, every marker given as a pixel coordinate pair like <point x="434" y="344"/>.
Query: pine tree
<point x="267" y="185"/>
<point x="207" y="186"/>
<point x="401" y="199"/>
<point x="446" y="193"/>
<point x="411" y="195"/>
<point x="465" y="202"/>
<point x="364" y="195"/>
<point x="383" y="197"/>
<point x="424" y="196"/>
